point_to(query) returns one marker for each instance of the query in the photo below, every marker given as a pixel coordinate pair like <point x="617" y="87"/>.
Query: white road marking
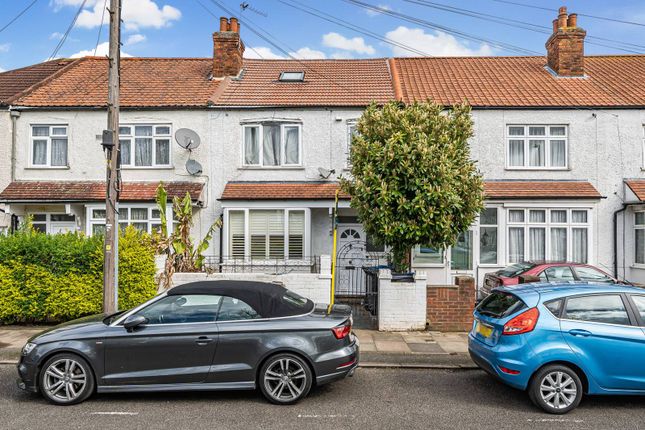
<point x="114" y="413"/>
<point x="324" y="416"/>
<point x="554" y="420"/>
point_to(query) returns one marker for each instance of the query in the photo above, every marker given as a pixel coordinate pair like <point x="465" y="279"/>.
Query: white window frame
<point x="547" y="150"/>
<point x="91" y="221"/>
<point x="48" y="150"/>
<point x="499" y="228"/>
<point x="247" y="237"/>
<point x="260" y="126"/>
<point x="638" y="227"/>
<point x="643" y="149"/>
<point x="547" y="225"/>
<point x="48" y="220"/>
<point x="131" y="138"/>
<point x="348" y="143"/>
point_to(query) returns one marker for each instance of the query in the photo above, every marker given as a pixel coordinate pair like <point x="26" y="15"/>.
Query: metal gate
<point x="357" y="282"/>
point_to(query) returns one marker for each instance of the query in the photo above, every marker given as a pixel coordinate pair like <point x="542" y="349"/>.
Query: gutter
<point x="14" y="118"/>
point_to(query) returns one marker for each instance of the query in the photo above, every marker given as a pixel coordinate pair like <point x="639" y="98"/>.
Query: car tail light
<point x="342" y="330"/>
<point x="523" y="323"/>
<point x="509" y="371"/>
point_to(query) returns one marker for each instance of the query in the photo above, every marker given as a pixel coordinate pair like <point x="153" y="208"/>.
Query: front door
<point x="462" y="256"/>
<point x="176" y="346"/>
<point x="351" y="252"/>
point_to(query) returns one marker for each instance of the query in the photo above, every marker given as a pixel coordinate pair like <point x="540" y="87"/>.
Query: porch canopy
<point x="92" y="191"/>
<point x="493" y="190"/>
<point x="635" y="190"/>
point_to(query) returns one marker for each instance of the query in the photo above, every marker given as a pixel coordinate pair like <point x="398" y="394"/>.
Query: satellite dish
<point x="325" y="173"/>
<point x="193" y="167"/>
<point x="187" y="138"/>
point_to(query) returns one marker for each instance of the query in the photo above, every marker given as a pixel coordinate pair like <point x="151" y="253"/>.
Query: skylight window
<point x="292" y="76"/>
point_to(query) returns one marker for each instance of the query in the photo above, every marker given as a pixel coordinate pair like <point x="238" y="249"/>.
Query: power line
<point x="18" y="16"/>
<point x="443" y="28"/>
<point x="348" y="25"/>
<point x="71" y="25"/>
<point x="521" y="24"/>
<point x="604" y="18"/>
<point x="98" y="38"/>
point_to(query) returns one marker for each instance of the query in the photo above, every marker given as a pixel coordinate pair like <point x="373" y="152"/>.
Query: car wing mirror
<point x="134" y="321"/>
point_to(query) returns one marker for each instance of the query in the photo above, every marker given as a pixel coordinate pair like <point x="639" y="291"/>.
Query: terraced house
<point x="559" y="139"/>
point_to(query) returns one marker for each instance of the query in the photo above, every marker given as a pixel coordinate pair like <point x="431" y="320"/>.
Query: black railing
<point x="371" y="290"/>
<point x="269" y="266"/>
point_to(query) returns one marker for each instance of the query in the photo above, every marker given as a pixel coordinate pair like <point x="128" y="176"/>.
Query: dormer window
<point x="292" y="77"/>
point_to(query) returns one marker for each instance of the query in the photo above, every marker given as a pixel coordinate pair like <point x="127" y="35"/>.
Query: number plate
<point x="483" y="329"/>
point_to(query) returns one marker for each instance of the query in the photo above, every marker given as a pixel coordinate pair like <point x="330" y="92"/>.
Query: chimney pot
<point x="228" y="49"/>
<point x="572" y="22"/>
<point x="555" y="25"/>
<point x="235" y="25"/>
<point x="565" y="47"/>
<point x="223" y="24"/>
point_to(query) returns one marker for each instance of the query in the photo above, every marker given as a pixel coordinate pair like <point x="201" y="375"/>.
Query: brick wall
<point x="450" y="307"/>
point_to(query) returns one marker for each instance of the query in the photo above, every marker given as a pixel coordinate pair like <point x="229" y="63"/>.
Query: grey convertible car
<point x="211" y="335"/>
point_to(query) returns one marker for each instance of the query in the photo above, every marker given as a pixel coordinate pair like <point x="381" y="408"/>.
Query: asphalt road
<point x="373" y="398"/>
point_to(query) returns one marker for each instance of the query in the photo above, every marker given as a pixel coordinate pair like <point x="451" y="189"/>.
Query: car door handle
<point x="203" y="340"/>
<point x="579" y="332"/>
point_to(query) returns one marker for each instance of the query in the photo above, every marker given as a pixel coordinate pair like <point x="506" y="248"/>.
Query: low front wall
<point x="401" y="305"/>
<point x="450" y="307"/>
<point x="314" y="286"/>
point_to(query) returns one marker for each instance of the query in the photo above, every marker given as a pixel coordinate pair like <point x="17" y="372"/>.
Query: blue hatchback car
<point x="560" y="341"/>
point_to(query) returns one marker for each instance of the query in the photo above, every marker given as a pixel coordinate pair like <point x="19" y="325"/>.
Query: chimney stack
<point x="565" y="47"/>
<point x="228" y="49"/>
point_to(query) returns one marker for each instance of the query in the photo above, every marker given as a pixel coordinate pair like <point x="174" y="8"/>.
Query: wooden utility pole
<point x="111" y="146"/>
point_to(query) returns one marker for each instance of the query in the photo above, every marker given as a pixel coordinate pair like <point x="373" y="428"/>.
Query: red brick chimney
<point x="566" y="47"/>
<point x="228" y="49"/>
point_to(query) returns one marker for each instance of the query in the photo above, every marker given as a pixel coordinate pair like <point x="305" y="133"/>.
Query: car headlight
<point x="28" y="348"/>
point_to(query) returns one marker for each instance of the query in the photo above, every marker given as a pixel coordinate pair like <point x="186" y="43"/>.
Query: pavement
<point x="414" y="349"/>
<point x="372" y="399"/>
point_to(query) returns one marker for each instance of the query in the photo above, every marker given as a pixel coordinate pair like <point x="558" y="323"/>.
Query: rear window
<point x="515" y="269"/>
<point x="296" y="300"/>
<point x="500" y="304"/>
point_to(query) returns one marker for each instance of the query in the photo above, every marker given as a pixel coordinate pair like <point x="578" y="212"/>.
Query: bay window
<point x="537" y="146"/>
<point x="267" y="233"/>
<point x="145" y="218"/>
<point x="548" y="234"/>
<point x="49" y="145"/>
<point x="144" y="145"/>
<point x="272" y="145"/>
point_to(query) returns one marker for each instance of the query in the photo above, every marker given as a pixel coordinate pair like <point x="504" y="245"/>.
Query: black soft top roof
<point x="266" y="298"/>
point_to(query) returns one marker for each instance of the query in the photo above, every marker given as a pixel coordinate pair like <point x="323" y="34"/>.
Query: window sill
<point x="428" y="265"/>
<point x="147" y="167"/>
<point x="538" y="169"/>
<point x="638" y="266"/>
<point x="47" y="168"/>
<point x="271" y="168"/>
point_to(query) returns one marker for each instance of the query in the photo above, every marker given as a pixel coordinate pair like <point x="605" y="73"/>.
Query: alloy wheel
<point x="65" y="380"/>
<point x="285" y="379"/>
<point x="558" y="390"/>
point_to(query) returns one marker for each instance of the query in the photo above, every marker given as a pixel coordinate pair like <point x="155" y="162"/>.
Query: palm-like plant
<point x="182" y="255"/>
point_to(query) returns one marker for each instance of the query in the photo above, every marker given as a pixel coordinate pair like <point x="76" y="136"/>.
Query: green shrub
<point x="50" y="278"/>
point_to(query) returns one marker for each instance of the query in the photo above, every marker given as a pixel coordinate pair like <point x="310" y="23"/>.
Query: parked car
<point x="560" y="341"/>
<point x="546" y="272"/>
<point x="214" y="335"/>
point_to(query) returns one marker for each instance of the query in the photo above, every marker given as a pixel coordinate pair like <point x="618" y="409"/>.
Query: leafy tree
<point x="182" y="254"/>
<point x="412" y="180"/>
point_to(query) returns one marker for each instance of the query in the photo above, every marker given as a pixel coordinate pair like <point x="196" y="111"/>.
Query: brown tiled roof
<point x="638" y="187"/>
<point x="540" y="190"/>
<point x="67" y="191"/>
<point x="327" y="190"/>
<point x="280" y="191"/>
<point x="145" y="82"/>
<point x="611" y="80"/>
<point x="326" y="83"/>
<point x="15" y="82"/>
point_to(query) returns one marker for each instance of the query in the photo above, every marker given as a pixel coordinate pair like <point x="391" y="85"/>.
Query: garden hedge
<point x="53" y="278"/>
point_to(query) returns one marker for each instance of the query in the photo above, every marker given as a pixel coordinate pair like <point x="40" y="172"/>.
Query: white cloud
<point x="136" y="14"/>
<point x="308" y="54"/>
<point x="56" y="36"/>
<point x="437" y="44"/>
<point x="135" y="38"/>
<point x="102" y="50"/>
<point x="371" y="12"/>
<point x="4" y="47"/>
<point x="355" y="44"/>
<point x="304" y="53"/>
<point x="2" y="70"/>
<point x="341" y="55"/>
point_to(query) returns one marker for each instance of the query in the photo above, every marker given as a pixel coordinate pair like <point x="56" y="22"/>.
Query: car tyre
<point x="66" y="379"/>
<point x="285" y="379"/>
<point x="556" y="389"/>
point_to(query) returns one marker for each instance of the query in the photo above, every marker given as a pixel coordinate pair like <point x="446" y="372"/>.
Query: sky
<point x="183" y="28"/>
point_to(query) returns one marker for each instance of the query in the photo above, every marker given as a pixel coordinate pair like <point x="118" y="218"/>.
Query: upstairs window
<point x="537" y="146"/>
<point x="272" y="145"/>
<point x="351" y="132"/>
<point x="145" y="145"/>
<point x="49" y="145"/>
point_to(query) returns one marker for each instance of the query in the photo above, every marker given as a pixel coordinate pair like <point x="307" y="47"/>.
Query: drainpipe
<point x="14" y="118"/>
<point x="616" y="212"/>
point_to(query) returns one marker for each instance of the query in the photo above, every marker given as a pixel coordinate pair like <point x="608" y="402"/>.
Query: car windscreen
<point x="515" y="269"/>
<point x="500" y="305"/>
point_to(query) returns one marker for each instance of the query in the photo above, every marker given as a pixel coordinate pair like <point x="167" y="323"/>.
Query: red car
<point x="543" y="272"/>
